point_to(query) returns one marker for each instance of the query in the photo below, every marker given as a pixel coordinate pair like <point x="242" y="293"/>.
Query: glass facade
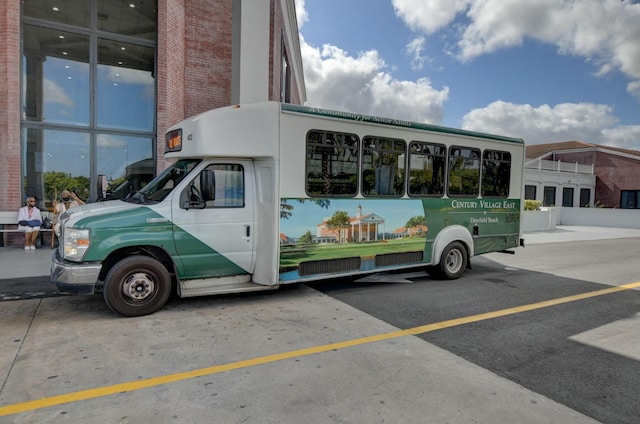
<point x="88" y="96"/>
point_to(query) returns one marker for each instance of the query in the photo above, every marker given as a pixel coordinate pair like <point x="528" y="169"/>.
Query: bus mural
<point x="388" y="229"/>
<point x="347" y="230"/>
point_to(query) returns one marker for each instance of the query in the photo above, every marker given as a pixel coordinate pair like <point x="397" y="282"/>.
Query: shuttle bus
<point x="264" y="194"/>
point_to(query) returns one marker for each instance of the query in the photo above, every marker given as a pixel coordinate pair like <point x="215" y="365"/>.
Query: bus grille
<point x="328" y="266"/>
<point x="398" y="258"/>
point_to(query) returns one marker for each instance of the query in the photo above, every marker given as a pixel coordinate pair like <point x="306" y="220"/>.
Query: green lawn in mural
<point x="291" y="256"/>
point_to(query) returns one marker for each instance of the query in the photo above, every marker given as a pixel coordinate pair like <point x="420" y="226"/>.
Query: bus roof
<point x="288" y="107"/>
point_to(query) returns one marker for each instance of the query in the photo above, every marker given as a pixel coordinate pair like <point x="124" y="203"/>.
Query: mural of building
<point x="90" y="86"/>
<point x="361" y="228"/>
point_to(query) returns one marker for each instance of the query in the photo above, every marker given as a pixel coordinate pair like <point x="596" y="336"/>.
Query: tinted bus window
<point x="426" y="169"/>
<point x="383" y="166"/>
<point x="464" y="171"/>
<point x="496" y="173"/>
<point x="332" y="163"/>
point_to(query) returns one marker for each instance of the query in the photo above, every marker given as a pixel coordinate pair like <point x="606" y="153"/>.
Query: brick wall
<point x="10" y="181"/>
<point x="207" y="55"/>
<point x="170" y="62"/>
<point x="614" y="174"/>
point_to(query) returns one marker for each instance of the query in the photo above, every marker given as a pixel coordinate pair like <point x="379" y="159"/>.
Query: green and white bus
<point x="269" y="193"/>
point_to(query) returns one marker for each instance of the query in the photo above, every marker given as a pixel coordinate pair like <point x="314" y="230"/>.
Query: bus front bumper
<point x="74" y="278"/>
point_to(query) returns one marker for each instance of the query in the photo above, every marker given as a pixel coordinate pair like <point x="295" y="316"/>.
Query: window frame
<point x="339" y="136"/>
<point x="400" y="155"/>
<point x="477" y="184"/>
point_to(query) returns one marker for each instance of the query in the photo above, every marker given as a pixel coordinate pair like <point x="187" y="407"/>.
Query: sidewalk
<point x="20" y="268"/>
<point x="569" y="233"/>
<point x="25" y="274"/>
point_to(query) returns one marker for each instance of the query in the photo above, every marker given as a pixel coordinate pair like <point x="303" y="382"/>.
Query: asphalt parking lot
<point x="301" y="355"/>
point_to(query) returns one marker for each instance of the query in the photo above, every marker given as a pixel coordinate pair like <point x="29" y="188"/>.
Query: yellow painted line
<point x="181" y="376"/>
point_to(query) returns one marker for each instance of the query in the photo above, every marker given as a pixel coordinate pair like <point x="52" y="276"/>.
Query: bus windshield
<point x="160" y="187"/>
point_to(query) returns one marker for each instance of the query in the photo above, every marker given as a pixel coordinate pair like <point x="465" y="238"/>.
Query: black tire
<point x="136" y="286"/>
<point x="453" y="261"/>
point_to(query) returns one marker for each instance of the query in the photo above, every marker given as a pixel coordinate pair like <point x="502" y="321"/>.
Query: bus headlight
<point x="76" y="243"/>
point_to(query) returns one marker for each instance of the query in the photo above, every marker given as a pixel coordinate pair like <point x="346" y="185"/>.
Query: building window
<point x="88" y="97"/>
<point x="530" y="192"/>
<point x="567" y="197"/>
<point x="549" y="196"/>
<point x="285" y="75"/>
<point x="630" y="199"/>
<point x="585" y="197"/>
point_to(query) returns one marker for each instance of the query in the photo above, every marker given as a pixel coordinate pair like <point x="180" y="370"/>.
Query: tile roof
<point x="537" y="150"/>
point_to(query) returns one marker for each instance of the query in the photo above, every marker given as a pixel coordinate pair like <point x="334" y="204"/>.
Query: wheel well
<point x="447" y="236"/>
<point x="151" y="251"/>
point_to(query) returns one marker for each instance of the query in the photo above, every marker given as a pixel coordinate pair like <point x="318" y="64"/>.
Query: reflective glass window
<point x="125" y="164"/>
<point x="427" y="162"/>
<point x="71" y="12"/>
<point x="56" y="76"/>
<point x="464" y="171"/>
<point x="88" y="84"/>
<point x="383" y="166"/>
<point x="54" y="161"/>
<point x="332" y="163"/>
<point x="135" y="18"/>
<point x="496" y="173"/>
<point x="126" y="89"/>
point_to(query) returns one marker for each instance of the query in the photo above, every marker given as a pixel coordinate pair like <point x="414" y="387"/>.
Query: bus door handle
<point x="247" y="231"/>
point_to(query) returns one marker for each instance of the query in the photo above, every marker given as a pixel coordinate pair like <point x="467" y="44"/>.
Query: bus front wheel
<point x="453" y="261"/>
<point x="136" y="286"/>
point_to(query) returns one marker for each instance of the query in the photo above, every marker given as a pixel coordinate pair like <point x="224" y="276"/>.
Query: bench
<point x="9" y="224"/>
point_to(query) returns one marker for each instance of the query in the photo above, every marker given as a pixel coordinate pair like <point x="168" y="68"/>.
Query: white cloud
<point x="429" y="15"/>
<point x="415" y="48"/>
<point x="53" y="93"/>
<point x="360" y="84"/>
<point x="634" y="89"/>
<point x="625" y="136"/>
<point x="605" y="32"/>
<point x="588" y="122"/>
<point x="301" y="13"/>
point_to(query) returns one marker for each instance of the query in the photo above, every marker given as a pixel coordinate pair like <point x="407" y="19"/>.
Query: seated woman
<point x="29" y="221"/>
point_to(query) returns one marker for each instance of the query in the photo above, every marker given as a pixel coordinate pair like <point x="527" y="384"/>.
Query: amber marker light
<point x="174" y="141"/>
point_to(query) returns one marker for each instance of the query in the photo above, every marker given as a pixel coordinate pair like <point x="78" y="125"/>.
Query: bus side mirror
<point x="189" y="199"/>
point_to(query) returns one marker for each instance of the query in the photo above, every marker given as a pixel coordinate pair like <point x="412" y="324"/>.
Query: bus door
<point x="214" y="223"/>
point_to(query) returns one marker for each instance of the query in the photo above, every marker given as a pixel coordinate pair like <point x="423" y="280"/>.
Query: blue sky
<point x="544" y="70"/>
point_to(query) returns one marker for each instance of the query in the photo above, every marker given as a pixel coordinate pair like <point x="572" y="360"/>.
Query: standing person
<point x="69" y="200"/>
<point x="29" y="221"/>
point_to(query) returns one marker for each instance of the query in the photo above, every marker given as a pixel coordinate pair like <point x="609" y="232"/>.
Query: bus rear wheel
<point x="136" y="286"/>
<point x="453" y="262"/>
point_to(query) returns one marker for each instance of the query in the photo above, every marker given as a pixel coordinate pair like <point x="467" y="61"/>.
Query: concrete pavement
<point x="288" y="356"/>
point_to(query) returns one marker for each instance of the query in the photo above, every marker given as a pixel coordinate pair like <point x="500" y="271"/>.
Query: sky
<point x="546" y="70"/>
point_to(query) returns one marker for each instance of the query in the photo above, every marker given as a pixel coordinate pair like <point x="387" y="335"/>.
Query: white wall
<point x="591" y="217"/>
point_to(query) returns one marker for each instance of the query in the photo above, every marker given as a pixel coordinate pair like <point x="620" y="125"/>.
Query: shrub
<point x="532" y="205"/>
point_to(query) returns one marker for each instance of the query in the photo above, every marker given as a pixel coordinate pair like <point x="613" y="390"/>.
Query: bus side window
<point x="218" y="186"/>
<point x="496" y="173"/>
<point x="427" y="164"/>
<point x="464" y="171"/>
<point x="331" y="164"/>
<point x="383" y="166"/>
